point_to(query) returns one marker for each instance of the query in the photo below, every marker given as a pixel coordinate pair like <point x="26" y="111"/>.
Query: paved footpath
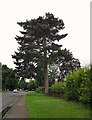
<point x="19" y="109"/>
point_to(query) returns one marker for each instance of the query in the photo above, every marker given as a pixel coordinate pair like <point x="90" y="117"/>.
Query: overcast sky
<point x="74" y="13"/>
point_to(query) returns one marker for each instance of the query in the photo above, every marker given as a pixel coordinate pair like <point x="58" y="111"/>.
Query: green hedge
<point x="40" y="89"/>
<point x="58" y="88"/>
<point x="73" y="82"/>
<point x="78" y="86"/>
<point x="91" y="86"/>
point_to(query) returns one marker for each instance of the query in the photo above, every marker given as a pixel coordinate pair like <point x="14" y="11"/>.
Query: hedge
<point x="58" y="88"/>
<point x="40" y="89"/>
<point x="78" y="86"/>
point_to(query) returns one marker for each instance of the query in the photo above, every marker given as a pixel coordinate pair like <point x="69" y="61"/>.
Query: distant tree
<point x="37" y="45"/>
<point x="22" y="85"/>
<point x="32" y="85"/>
<point x="68" y="66"/>
<point x="54" y="69"/>
<point x="9" y="79"/>
<point x="53" y="73"/>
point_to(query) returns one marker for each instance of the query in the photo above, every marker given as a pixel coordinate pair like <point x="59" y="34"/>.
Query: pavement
<point x="18" y="109"/>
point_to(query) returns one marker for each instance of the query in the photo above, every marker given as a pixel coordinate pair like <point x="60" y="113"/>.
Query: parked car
<point x="26" y="90"/>
<point x="15" y="91"/>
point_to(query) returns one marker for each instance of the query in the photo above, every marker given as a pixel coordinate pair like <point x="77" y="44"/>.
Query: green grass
<point x="42" y="106"/>
<point x="5" y="91"/>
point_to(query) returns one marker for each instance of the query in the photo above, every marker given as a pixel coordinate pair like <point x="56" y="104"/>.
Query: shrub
<point x="73" y="82"/>
<point x="32" y="85"/>
<point x="40" y="89"/>
<point x="78" y="85"/>
<point x="58" y="88"/>
<point x="85" y="89"/>
<point x="91" y="86"/>
<point x="52" y="88"/>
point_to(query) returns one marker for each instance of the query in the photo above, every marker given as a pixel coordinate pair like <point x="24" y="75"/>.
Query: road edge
<point x="10" y="106"/>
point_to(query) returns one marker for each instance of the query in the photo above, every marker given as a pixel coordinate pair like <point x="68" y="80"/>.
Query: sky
<point x="74" y="13"/>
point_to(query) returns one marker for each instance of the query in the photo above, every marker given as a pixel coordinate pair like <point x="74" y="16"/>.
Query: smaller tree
<point x="32" y="85"/>
<point x="9" y="79"/>
<point x="53" y="73"/>
<point x="11" y="83"/>
<point x="68" y="66"/>
<point x="22" y="85"/>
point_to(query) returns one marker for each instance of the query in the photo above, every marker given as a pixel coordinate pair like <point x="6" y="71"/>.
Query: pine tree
<point x="37" y="45"/>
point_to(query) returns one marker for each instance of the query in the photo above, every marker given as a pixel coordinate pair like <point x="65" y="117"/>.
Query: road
<point x="8" y="98"/>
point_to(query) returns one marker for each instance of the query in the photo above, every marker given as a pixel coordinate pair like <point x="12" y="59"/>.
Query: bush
<point x="40" y="89"/>
<point x="85" y="89"/>
<point x="73" y="82"/>
<point x="32" y="85"/>
<point x="78" y="85"/>
<point x="58" y="88"/>
<point x="91" y="86"/>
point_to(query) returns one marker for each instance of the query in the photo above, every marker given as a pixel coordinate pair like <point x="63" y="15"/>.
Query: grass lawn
<point x="5" y="91"/>
<point x="42" y="106"/>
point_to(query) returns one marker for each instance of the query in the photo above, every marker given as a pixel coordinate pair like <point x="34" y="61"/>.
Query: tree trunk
<point x="45" y="67"/>
<point x="46" y="79"/>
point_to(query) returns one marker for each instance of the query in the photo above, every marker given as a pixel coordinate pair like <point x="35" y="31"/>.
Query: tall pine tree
<point x="37" y="45"/>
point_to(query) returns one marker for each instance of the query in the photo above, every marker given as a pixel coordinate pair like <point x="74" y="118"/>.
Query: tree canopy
<point x="38" y="47"/>
<point x="68" y="67"/>
<point x="9" y="79"/>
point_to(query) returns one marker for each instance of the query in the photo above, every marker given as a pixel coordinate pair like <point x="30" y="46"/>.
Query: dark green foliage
<point x="38" y="48"/>
<point x="91" y="85"/>
<point x="22" y="85"/>
<point x="39" y="77"/>
<point x="32" y="85"/>
<point x="40" y="89"/>
<point x="60" y="87"/>
<point x="67" y="66"/>
<point x="9" y="79"/>
<point x="32" y="47"/>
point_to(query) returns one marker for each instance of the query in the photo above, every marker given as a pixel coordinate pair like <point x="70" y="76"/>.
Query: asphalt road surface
<point x="8" y="98"/>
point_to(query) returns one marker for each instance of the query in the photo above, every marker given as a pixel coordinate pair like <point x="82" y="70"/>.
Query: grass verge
<point x="42" y="106"/>
<point x="5" y="91"/>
